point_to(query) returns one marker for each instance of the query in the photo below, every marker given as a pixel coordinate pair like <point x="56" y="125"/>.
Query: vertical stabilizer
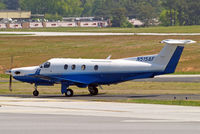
<point x="170" y="54"/>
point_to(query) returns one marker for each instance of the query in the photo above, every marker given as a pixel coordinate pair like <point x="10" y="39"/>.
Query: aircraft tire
<point x="93" y="90"/>
<point x="69" y="93"/>
<point x="35" y="93"/>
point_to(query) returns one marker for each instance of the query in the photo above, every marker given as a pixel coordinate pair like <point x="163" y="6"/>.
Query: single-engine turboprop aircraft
<point x="92" y="73"/>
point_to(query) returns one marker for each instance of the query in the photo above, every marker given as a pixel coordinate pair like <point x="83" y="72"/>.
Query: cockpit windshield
<point x="47" y="65"/>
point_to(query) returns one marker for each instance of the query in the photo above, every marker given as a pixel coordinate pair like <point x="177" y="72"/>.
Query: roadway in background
<point x="95" y="34"/>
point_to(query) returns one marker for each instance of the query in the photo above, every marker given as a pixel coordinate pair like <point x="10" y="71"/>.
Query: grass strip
<point x="163" y="102"/>
<point x="4" y="76"/>
<point x="152" y="29"/>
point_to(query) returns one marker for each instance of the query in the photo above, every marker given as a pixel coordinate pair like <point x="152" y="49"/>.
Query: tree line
<point x="168" y="12"/>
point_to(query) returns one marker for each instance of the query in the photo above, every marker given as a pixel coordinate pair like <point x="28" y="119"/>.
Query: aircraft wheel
<point x="69" y="93"/>
<point x="35" y="93"/>
<point x="93" y="90"/>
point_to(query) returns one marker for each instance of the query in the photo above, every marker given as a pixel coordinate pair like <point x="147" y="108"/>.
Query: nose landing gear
<point x="35" y="92"/>
<point x="69" y="93"/>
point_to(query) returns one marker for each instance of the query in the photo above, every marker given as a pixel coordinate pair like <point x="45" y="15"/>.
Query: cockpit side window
<point x="47" y="65"/>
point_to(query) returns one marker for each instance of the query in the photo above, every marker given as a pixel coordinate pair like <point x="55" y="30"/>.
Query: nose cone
<point x="8" y="72"/>
<point x="22" y="71"/>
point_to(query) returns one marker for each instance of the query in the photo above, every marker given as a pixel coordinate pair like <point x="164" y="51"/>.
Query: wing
<point x="75" y="79"/>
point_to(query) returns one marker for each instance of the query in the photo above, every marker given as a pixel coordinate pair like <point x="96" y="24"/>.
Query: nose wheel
<point x="69" y="93"/>
<point x="35" y="92"/>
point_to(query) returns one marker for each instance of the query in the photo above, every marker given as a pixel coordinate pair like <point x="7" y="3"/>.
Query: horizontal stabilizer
<point x="178" y="42"/>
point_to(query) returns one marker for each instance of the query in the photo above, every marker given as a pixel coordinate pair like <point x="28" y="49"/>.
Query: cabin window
<point x="96" y="67"/>
<point x="65" y="66"/>
<point x="83" y="67"/>
<point x="73" y="67"/>
<point x="47" y="65"/>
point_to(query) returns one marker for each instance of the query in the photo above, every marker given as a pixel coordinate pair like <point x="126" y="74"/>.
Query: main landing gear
<point x="35" y="92"/>
<point x="69" y="92"/>
<point x="65" y="90"/>
<point x="93" y="90"/>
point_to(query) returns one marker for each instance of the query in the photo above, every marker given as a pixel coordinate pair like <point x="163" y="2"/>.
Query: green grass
<point x="186" y="73"/>
<point x="156" y="29"/>
<point x="4" y="76"/>
<point x="29" y="51"/>
<point x="163" y="102"/>
<point x="141" y="88"/>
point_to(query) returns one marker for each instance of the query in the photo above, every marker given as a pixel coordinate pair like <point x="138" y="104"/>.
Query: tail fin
<point x="170" y="54"/>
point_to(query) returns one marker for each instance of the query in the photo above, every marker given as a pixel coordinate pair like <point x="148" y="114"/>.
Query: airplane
<point x="93" y="73"/>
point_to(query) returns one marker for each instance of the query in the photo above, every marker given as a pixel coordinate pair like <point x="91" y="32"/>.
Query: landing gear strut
<point x="93" y="90"/>
<point x="65" y="90"/>
<point x="35" y="92"/>
<point x="69" y="93"/>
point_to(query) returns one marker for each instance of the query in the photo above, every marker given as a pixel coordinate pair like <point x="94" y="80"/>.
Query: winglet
<point x="178" y="42"/>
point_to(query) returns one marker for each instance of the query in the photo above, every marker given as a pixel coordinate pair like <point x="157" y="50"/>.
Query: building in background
<point x="6" y="14"/>
<point x="24" y="19"/>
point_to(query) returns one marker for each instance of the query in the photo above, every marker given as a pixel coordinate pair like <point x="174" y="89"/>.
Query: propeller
<point x="10" y="73"/>
<point x="10" y="83"/>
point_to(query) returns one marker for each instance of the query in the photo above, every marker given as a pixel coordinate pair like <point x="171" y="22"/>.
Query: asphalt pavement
<point x="71" y="124"/>
<point x="45" y="115"/>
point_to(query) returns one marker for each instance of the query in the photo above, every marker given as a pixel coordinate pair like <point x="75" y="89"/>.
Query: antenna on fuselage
<point x="109" y="57"/>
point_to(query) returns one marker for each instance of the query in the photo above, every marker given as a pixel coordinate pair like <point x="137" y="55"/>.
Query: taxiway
<point x="40" y="115"/>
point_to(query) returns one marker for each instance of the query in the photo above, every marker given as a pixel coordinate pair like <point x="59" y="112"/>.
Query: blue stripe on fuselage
<point x="31" y="80"/>
<point x="91" y="78"/>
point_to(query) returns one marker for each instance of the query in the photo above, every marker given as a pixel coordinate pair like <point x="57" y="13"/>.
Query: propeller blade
<point x="11" y="66"/>
<point x="10" y="83"/>
<point x="11" y="62"/>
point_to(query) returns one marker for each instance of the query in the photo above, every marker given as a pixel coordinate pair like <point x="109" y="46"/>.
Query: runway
<point x="96" y="34"/>
<point x="41" y="115"/>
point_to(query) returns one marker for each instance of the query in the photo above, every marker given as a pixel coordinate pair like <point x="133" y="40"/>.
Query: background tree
<point x="146" y="13"/>
<point x="119" y="18"/>
<point x="2" y="6"/>
<point x="170" y="12"/>
<point x="12" y="4"/>
<point x="170" y="6"/>
<point x="87" y="6"/>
